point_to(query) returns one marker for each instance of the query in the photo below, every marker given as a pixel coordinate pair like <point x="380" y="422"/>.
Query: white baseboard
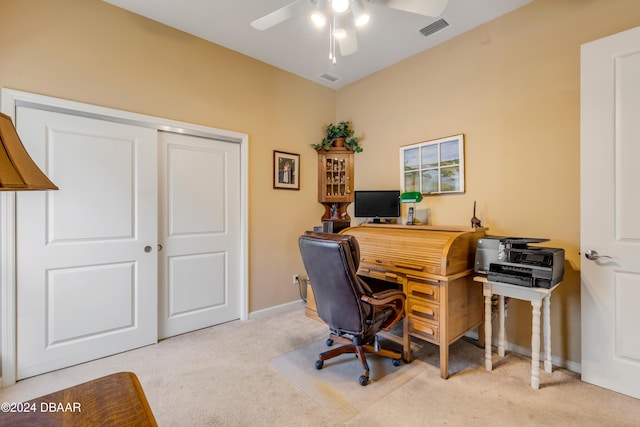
<point x="526" y="352"/>
<point x="555" y="360"/>
<point x="276" y="309"/>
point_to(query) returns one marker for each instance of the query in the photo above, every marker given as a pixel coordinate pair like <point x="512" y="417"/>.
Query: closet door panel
<point x="86" y="285"/>
<point x="200" y="261"/>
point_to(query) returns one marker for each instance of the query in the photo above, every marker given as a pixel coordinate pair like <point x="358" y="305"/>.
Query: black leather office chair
<point x="345" y="302"/>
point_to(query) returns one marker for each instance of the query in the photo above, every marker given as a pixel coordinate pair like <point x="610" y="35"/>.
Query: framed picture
<point x="433" y="167"/>
<point x="286" y="170"/>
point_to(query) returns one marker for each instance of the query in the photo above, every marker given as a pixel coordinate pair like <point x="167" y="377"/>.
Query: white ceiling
<point x="298" y="47"/>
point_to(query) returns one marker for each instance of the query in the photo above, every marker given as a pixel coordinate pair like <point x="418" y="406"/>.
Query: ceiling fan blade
<point x="349" y="43"/>
<point x="280" y="15"/>
<point x="421" y="7"/>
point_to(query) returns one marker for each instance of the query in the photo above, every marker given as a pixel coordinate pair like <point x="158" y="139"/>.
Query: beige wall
<point x="512" y="87"/>
<point x="93" y="52"/>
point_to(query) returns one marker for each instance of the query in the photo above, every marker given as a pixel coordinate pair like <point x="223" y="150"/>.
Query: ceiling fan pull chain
<point x="332" y="40"/>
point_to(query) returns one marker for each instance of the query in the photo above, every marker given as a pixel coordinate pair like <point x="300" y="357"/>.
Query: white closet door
<point x="610" y="208"/>
<point x="86" y="286"/>
<point x="200" y="232"/>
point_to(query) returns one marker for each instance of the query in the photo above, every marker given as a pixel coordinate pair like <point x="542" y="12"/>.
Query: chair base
<point x="360" y="352"/>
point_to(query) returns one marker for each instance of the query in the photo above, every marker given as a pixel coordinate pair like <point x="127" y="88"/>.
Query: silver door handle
<point x="592" y="255"/>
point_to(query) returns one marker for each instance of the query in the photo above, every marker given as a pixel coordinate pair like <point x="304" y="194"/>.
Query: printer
<point x="512" y="260"/>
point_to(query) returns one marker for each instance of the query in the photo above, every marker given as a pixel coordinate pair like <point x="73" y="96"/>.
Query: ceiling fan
<point x="344" y="16"/>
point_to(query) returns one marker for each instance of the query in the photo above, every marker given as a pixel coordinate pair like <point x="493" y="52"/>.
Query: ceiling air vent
<point x="440" y="24"/>
<point x="330" y="77"/>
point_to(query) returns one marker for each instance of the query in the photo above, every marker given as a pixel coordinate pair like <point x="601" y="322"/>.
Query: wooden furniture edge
<point x="115" y="399"/>
<point x="457" y="228"/>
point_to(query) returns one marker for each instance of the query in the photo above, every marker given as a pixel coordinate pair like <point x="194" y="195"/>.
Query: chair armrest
<point x="394" y="298"/>
<point x="384" y="297"/>
<point x="387" y="293"/>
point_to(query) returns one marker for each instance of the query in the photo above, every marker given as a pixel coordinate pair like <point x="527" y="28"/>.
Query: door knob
<point x="147" y="249"/>
<point x="593" y="255"/>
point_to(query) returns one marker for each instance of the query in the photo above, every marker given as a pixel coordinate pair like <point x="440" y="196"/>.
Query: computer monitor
<point x="377" y="204"/>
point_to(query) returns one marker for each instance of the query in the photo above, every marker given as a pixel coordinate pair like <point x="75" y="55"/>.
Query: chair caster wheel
<point x="396" y="362"/>
<point x="364" y="380"/>
<point x="329" y="342"/>
<point x="319" y="364"/>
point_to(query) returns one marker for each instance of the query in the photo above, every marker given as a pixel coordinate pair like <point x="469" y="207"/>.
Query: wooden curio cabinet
<point x="335" y="182"/>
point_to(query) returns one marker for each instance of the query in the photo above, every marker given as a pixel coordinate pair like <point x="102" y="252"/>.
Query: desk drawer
<point x="423" y="310"/>
<point x="427" y="291"/>
<point x="424" y="330"/>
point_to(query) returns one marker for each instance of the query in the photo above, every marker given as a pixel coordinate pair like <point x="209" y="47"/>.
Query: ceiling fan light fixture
<point x="360" y="15"/>
<point x="339" y="33"/>
<point x="318" y="16"/>
<point x="339" y="6"/>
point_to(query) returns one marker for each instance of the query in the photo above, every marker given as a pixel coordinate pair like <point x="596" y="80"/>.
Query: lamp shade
<point x="18" y="172"/>
<point x="410" y="197"/>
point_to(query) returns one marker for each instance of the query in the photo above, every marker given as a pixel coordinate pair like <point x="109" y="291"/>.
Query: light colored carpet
<point x="221" y="376"/>
<point x="336" y="387"/>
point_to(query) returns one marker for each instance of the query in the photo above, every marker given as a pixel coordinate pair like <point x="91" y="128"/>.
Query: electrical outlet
<point x="295" y="279"/>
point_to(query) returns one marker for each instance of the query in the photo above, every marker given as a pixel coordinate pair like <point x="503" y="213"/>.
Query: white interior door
<point x="200" y="262"/>
<point x="86" y="287"/>
<point x="610" y="211"/>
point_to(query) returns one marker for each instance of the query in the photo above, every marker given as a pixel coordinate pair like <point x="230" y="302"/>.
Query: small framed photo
<point x="286" y="170"/>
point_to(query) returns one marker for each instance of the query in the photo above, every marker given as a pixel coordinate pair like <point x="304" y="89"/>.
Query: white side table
<point x="540" y="299"/>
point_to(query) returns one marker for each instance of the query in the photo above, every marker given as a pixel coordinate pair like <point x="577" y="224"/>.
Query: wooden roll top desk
<point x="434" y="266"/>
